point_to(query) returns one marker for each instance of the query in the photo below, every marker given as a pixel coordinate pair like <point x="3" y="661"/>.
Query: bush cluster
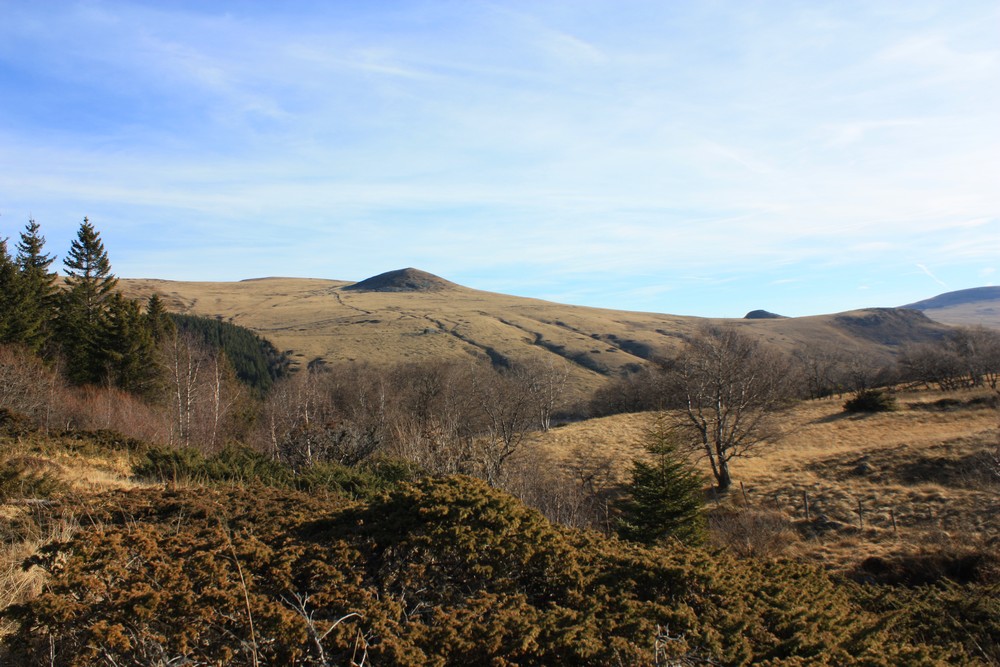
<point x="243" y="465"/>
<point x="871" y="400"/>
<point x="440" y="572"/>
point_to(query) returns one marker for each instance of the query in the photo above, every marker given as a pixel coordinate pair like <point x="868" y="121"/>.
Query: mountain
<point x="967" y="307"/>
<point x="402" y="280"/>
<point x="412" y="316"/>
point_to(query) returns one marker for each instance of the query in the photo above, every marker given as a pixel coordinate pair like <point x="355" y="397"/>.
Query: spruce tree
<point x="664" y="495"/>
<point x="37" y="289"/>
<point x="9" y="289"/>
<point x="161" y="327"/>
<point x="84" y="306"/>
<point x="127" y="347"/>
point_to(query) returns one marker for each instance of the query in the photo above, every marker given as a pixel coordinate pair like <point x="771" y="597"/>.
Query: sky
<point x="702" y="157"/>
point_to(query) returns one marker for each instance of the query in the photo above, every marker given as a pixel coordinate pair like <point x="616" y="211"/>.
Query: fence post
<point x="805" y="501"/>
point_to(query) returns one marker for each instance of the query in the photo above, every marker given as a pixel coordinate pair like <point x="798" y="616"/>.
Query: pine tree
<point x="9" y="297"/>
<point x="161" y="327"/>
<point x="33" y="321"/>
<point x="88" y="269"/>
<point x="83" y="307"/>
<point x="664" y="496"/>
<point x="127" y="348"/>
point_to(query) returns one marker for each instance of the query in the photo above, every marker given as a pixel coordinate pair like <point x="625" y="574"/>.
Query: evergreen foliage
<point x="870" y="400"/>
<point x="664" y="497"/>
<point x="84" y="306"/>
<point x="128" y="348"/>
<point x="160" y="325"/>
<point x="255" y="360"/>
<point x="101" y="336"/>
<point x="37" y="289"/>
<point x="9" y="294"/>
<point x="242" y="465"/>
<point x="444" y="572"/>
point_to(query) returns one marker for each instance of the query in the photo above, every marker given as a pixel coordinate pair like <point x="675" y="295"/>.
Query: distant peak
<point x="957" y="298"/>
<point x="763" y="315"/>
<point x="403" y="280"/>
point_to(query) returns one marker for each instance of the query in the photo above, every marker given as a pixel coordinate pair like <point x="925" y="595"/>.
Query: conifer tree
<point x="161" y="327"/>
<point x="88" y="270"/>
<point x="127" y="348"/>
<point x="35" y="309"/>
<point x="84" y="306"/>
<point x="664" y="496"/>
<point x="9" y="288"/>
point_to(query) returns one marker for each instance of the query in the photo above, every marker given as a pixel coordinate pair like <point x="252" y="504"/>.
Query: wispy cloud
<point x="930" y="275"/>
<point x="677" y="144"/>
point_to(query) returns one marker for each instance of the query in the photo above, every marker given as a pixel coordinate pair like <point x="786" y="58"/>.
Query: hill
<point x="402" y="280"/>
<point x="967" y="307"/>
<point x="410" y="315"/>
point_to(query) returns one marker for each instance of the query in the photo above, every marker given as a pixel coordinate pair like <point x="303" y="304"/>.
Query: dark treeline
<point x="81" y="324"/>
<point x="256" y="361"/>
<point x="76" y="353"/>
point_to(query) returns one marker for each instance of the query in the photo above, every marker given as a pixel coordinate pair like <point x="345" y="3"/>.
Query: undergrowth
<point x="449" y="572"/>
<point x="242" y="465"/>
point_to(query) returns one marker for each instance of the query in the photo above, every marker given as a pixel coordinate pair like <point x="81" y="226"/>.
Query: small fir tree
<point x="161" y="327"/>
<point x="9" y="289"/>
<point x="127" y="347"/>
<point x="37" y="291"/>
<point x="664" y="496"/>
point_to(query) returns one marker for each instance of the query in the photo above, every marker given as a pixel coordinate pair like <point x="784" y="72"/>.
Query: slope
<point x="411" y="316"/>
<point x="967" y="307"/>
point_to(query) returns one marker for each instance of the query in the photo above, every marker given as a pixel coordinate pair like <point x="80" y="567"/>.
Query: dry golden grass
<point x="18" y="584"/>
<point x="983" y="313"/>
<point x="924" y="467"/>
<point x="29" y="523"/>
<point x="319" y="319"/>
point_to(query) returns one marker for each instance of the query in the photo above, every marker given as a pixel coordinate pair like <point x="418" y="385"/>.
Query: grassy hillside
<point x="929" y="466"/>
<point x="979" y="306"/>
<point x="434" y="320"/>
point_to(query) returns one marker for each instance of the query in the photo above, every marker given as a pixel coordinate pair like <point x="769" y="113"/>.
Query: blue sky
<point x="701" y="158"/>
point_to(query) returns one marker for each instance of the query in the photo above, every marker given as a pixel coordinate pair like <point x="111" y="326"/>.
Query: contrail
<point x="932" y="276"/>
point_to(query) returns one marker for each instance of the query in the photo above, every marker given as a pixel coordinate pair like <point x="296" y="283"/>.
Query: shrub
<point x="751" y="533"/>
<point x="243" y="465"/>
<point x="441" y="571"/>
<point x="871" y="400"/>
<point x="15" y="424"/>
<point x="29" y="477"/>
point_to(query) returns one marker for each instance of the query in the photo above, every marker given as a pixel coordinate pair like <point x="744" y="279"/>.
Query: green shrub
<point x="243" y="465"/>
<point x="871" y="400"/>
<point x="29" y="477"/>
<point x="445" y="572"/>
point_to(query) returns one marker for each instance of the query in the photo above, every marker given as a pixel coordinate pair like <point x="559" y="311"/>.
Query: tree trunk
<point x="723" y="477"/>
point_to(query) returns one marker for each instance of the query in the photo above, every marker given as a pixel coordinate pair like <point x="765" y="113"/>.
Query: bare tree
<point x="295" y="409"/>
<point x="728" y="388"/>
<point x="505" y="408"/>
<point x="546" y="382"/>
<point x="23" y="382"/>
